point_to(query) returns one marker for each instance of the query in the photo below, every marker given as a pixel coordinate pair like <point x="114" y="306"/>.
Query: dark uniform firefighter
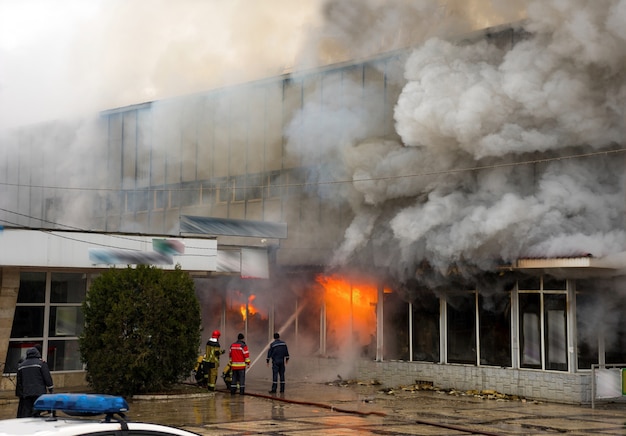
<point x="212" y="357"/>
<point x="279" y="355"/>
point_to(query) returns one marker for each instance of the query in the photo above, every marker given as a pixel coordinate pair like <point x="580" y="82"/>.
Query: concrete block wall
<point x="552" y="386"/>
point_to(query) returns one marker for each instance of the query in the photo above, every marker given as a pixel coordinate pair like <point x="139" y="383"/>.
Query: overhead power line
<point x="326" y="182"/>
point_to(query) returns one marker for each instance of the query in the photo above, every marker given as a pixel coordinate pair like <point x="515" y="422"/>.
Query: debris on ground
<point x="341" y="382"/>
<point x="486" y="394"/>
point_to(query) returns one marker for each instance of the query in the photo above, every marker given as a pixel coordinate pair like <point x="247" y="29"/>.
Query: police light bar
<point x="82" y="404"/>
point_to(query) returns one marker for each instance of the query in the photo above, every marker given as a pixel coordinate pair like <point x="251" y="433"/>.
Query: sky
<point x="65" y="58"/>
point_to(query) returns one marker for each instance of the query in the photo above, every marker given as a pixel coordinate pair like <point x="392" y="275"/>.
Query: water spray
<point x="280" y="331"/>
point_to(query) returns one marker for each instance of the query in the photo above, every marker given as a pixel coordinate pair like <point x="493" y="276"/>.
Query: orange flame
<point x="350" y="307"/>
<point x="251" y="309"/>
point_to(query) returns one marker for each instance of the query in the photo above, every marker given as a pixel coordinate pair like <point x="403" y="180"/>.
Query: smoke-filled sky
<point x="65" y="58"/>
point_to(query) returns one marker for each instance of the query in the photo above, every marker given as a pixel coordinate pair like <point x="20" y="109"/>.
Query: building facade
<point x="225" y="163"/>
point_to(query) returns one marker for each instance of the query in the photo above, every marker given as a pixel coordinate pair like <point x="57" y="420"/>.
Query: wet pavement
<point x="364" y="409"/>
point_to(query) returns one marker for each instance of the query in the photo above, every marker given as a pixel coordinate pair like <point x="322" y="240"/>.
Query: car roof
<point x="61" y="426"/>
<point x="48" y="423"/>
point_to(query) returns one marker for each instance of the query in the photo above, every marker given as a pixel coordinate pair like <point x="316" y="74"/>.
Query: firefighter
<point x="200" y="372"/>
<point x="212" y="356"/>
<point x="227" y="375"/>
<point x="239" y="362"/>
<point x="279" y="355"/>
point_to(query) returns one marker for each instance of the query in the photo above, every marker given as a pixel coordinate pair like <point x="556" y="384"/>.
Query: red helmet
<point x="215" y="334"/>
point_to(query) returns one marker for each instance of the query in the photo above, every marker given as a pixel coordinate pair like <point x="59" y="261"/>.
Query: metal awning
<point x="611" y="265"/>
<point x="232" y="227"/>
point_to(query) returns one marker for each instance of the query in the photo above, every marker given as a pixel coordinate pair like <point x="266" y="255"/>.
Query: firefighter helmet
<point x="216" y="334"/>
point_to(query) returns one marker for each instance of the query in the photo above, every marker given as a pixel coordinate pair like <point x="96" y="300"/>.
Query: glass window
<point x="254" y="188"/>
<point x="555" y="331"/>
<point x="275" y="185"/>
<point x="32" y="287"/>
<point x="68" y="288"/>
<point x="160" y="199"/>
<point x="615" y="332"/>
<point x="529" y="283"/>
<point x="589" y="313"/>
<point x="224" y="191"/>
<point x="495" y="329"/>
<point x="64" y="355"/>
<point x="190" y="194"/>
<point x="28" y="322"/>
<point x="296" y="184"/>
<point x="240" y="188"/>
<point x="173" y="201"/>
<point x="426" y="328"/>
<point x="137" y="201"/>
<point x="208" y="193"/>
<point x="395" y="338"/>
<point x="553" y="284"/>
<point x="49" y="313"/>
<point x="65" y="321"/>
<point x="530" y="330"/>
<point x="461" y="315"/>
<point x="17" y="352"/>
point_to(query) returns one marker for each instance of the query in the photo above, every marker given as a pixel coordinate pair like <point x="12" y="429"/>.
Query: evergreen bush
<point x="142" y="330"/>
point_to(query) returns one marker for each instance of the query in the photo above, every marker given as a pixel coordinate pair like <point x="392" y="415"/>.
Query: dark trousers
<point x="25" y="407"/>
<point x="239" y="377"/>
<point x="278" y="371"/>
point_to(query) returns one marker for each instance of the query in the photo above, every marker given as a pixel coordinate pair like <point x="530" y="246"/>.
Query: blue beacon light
<point x="82" y="404"/>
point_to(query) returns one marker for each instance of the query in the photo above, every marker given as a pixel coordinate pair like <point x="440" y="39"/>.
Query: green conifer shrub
<point x="142" y="330"/>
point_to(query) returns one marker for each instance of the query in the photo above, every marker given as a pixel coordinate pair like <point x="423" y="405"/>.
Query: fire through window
<point x="350" y="307"/>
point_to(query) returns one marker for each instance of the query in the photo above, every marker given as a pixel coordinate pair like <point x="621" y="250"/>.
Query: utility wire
<point x="328" y="182"/>
<point x="335" y="182"/>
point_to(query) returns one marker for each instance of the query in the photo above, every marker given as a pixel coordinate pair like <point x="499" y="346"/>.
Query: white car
<point x="79" y="406"/>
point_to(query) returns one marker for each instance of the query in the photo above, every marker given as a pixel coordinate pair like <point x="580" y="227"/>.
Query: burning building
<point x="451" y="213"/>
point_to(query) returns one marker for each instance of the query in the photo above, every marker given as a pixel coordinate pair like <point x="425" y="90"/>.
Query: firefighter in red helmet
<point x="212" y="356"/>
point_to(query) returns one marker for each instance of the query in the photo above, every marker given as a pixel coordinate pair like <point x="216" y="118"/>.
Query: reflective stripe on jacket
<point x="278" y="351"/>
<point x="239" y="355"/>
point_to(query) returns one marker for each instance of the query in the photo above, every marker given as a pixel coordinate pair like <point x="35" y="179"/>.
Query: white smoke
<point x="71" y="58"/>
<point x="519" y="113"/>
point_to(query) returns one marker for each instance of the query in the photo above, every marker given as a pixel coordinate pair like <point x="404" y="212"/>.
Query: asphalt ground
<point x="363" y="408"/>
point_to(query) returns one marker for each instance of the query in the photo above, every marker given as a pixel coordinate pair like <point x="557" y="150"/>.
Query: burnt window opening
<point x="426" y="328"/>
<point x="494" y="314"/>
<point x="461" y="326"/>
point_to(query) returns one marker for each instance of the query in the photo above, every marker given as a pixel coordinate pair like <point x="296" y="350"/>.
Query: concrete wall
<point x="9" y="286"/>
<point x="553" y="386"/>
